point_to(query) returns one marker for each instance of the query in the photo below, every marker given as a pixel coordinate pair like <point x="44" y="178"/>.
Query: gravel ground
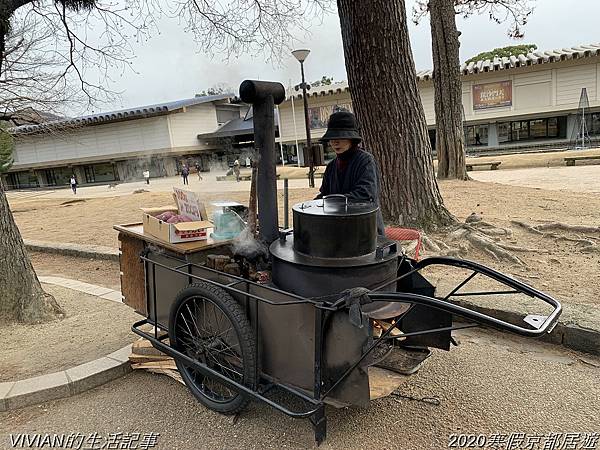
<point x="558" y="267"/>
<point x="95" y="271"/>
<point x="490" y="384"/>
<point x="93" y="328"/>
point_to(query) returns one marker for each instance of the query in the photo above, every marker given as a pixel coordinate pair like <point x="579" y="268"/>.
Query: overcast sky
<point x="169" y="67"/>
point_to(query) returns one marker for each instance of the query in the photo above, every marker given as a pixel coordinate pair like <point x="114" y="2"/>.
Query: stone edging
<point x="73" y="381"/>
<point x="83" y="251"/>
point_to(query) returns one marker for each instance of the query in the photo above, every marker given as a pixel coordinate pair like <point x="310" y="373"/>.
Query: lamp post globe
<point x="301" y="54"/>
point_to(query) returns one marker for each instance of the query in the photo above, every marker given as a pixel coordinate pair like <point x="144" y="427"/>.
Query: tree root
<point x="527" y="227"/>
<point x="466" y="237"/>
<point x="539" y="229"/>
<point x="589" y="245"/>
<point x="489" y="229"/>
<point x="590" y="248"/>
<point x="430" y="244"/>
<point x="566" y="227"/>
<point x="494" y="249"/>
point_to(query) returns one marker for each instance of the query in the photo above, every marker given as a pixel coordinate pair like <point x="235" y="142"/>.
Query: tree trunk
<point x="22" y="298"/>
<point x="450" y="137"/>
<point x="385" y="97"/>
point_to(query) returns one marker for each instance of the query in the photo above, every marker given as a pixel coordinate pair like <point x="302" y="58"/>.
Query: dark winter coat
<point x="356" y="178"/>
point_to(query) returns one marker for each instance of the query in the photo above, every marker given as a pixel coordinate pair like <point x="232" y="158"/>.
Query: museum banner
<point x="319" y="115"/>
<point x="492" y="95"/>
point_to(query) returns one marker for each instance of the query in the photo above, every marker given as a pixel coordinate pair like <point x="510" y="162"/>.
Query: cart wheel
<point x="208" y="325"/>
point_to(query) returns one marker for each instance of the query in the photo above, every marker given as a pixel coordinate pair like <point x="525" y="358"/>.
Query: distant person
<point x="236" y="170"/>
<point x="185" y="171"/>
<point x="147" y="176"/>
<point x="73" y="183"/>
<point x="477" y="139"/>
<point x="197" y="166"/>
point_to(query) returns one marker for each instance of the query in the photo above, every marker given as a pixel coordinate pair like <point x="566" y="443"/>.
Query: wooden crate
<point x="133" y="286"/>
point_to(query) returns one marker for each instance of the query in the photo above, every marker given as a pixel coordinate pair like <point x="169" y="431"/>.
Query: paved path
<point x="490" y="384"/>
<point x="576" y="178"/>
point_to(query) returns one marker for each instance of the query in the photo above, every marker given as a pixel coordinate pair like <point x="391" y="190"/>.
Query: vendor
<point x="353" y="171"/>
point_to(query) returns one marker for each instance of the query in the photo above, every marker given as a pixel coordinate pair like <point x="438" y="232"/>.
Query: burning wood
<point x="381" y="326"/>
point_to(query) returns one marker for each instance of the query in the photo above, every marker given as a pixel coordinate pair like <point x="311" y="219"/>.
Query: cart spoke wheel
<point x="209" y="326"/>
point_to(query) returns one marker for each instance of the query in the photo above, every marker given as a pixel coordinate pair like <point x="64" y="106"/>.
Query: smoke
<point x="132" y="169"/>
<point x="250" y="153"/>
<point x="246" y="245"/>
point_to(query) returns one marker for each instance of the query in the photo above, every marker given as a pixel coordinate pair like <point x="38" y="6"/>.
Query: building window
<point x="524" y="130"/>
<point x="99" y="173"/>
<point x="553" y="127"/>
<point x="59" y="176"/>
<point x="538" y="128"/>
<point x="476" y="135"/>
<point x="503" y="132"/>
<point x="519" y="130"/>
<point x="594" y="128"/>
<point x="19" y="180"/>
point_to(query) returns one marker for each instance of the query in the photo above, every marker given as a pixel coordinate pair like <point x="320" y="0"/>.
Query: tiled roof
<point x="335" y="88"/>
<point x="505" y="63"/>
<point x="537" y="57"/>
<point x="124" y="114"/>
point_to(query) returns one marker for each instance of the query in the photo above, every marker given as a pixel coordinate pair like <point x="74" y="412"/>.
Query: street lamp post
<point x="301" y="56"/>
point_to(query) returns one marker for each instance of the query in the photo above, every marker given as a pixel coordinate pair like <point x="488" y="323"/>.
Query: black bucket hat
<point x="342" y="125"/>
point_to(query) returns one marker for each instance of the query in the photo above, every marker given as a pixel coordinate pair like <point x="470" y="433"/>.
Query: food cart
<point x="293" y="311"/>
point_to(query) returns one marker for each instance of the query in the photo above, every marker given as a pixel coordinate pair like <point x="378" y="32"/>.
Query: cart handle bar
<point x="467" y="313"/>
<point x="158" y="344"/>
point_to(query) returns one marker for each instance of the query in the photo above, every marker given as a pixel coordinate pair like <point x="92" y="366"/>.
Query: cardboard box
<point x="174" y="232"/>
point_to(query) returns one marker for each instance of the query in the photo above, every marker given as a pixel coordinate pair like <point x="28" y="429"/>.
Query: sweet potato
<point x="165" y="216"/>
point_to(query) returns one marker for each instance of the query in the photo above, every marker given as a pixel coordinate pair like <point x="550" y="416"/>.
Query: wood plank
<point x="133" y="358"/>
<point x="155" y="365"/>
<point x="383" y="382"/>
<point x="133" y="284"/>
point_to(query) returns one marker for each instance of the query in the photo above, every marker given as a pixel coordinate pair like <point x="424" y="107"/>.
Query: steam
<point x="132" y="169"/>
<point x="246" y="245"/>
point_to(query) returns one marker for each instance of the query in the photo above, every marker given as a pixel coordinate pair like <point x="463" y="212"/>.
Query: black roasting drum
<point x="335" y="228"/>
<point x="334" y="247"/>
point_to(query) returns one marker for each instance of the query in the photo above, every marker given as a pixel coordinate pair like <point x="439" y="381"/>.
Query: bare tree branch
<point x="514" y="12"/>
<point x="58" y="55"/>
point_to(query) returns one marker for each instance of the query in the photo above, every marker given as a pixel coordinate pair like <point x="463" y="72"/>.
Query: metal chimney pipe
<point x="263" y="96"/>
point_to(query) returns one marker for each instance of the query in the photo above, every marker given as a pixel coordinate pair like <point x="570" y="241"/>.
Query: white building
<point x="120" y="145"/>
<point x="525" y="100"/>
